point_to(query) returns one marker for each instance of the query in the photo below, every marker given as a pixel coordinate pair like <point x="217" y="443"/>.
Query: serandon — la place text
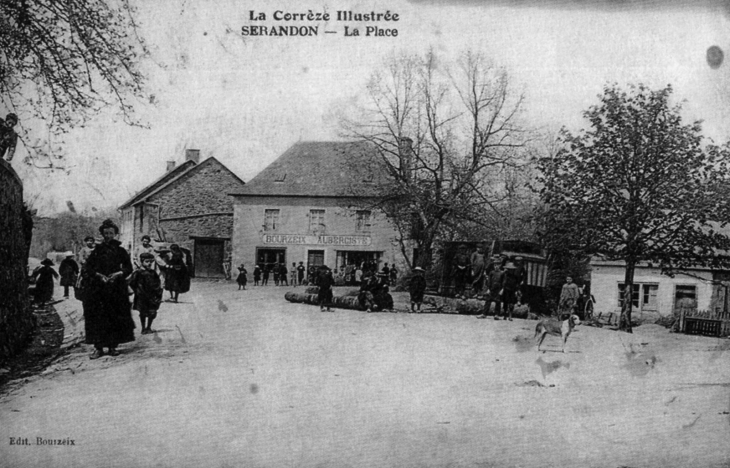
<point x="370" y="29"/>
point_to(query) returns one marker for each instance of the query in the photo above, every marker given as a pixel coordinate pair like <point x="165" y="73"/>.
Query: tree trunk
<point x="625" y="320"/>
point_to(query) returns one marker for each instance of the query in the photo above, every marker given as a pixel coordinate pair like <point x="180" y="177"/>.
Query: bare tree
<point x="61" y="61"/>
<point x="446" y="132"/>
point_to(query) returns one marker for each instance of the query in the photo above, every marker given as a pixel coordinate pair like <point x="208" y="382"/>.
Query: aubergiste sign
<point x="316" y="240"/>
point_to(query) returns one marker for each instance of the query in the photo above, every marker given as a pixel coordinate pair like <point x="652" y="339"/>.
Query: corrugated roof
<point x="322" y="169"/>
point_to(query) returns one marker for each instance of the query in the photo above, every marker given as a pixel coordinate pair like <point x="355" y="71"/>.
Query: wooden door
<point x="208" y="261"/>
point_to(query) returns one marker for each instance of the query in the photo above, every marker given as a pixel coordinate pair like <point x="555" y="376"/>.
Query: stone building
<point x="314" y="204"/>
<point x="188" y="206"/>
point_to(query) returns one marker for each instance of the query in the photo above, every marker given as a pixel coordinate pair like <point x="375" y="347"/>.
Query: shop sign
<point x="290" y="239"/>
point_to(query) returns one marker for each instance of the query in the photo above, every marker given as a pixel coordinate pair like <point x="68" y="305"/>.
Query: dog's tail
<point x="537" y="329"/>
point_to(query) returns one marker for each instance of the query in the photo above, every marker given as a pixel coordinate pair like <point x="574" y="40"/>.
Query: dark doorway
<point x="268" y="258"/>
<point x="209" y="258"/>
<point x="315" y="258"/>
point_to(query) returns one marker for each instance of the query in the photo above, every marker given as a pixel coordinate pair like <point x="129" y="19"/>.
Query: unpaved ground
<point x="245" y="379"/>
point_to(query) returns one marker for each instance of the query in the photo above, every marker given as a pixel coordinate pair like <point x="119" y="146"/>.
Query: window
<point x="634" y="295"/>
<point x="316" y="220"/>
<point x="363" y="221"/>
<point x="271" y="220"/>
<point x="644" y="296"/>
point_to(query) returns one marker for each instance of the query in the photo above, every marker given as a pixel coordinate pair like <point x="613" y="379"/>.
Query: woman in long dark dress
<point x="69" y="271"/>
<point x="107" y="312"/>
<point x="44" y="283"/>
<point x="177" y="279"/>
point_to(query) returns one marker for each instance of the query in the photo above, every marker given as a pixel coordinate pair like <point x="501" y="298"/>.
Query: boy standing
<point x="293" y="274"/>
<point x="417" y="288"/>
<point x="147" y="288"/>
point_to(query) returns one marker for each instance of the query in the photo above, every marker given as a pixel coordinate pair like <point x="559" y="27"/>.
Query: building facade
<point x="656" y="295"/>
<point x="315" y="204"/>
<point x="188" y="206"/>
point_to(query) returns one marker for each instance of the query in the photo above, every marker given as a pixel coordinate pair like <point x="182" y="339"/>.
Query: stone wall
<point x="202" y="190"/>
<point x="16" y="321"/>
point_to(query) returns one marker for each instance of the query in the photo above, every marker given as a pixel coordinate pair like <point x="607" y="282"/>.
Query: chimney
<point x="192" y="155"/>
<point x="170" y="165"/>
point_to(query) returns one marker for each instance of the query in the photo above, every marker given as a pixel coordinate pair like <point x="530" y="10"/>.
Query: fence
<point x="704" y="322"/>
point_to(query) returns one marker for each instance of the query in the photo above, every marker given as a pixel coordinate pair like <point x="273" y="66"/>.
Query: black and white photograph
<point x="407" y="233"/>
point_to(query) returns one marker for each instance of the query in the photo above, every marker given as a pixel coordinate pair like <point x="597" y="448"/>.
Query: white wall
<point x="606" y="278"/>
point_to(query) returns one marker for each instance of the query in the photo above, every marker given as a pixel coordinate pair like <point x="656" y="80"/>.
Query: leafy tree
<point x="446" y="133"/>
<point x="64" y="60"/>
<point x="639" y="186"/>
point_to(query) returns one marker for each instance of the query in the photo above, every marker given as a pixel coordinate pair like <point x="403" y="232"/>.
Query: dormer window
<point x="280" y="177"/>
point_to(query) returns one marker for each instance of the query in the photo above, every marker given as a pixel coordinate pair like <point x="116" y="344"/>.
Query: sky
<point x="245" y="100"/>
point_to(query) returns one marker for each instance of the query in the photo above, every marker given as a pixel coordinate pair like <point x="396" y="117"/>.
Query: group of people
<point x="262" y="274"/>
<point x="104" y="278"/>
<point x="502" y="282"/>
<point x="299" y="274"/>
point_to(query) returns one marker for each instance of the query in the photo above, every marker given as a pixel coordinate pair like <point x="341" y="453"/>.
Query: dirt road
<point x="236" y="379"/>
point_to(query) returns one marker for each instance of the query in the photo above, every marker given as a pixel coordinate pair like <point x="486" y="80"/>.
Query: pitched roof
<point x="171" y="177"/>
<point x="321" y="169"/>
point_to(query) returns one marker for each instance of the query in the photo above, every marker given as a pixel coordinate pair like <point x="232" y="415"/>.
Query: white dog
<point x="557" y="328"/>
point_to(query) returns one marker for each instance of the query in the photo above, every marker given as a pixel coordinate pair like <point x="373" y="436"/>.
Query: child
<point x="242" y="278"/>
<point x="417" y="289"/>
<point x="147" y="287"/>
<point x="265" y="279"/>
<point x="256" y="275"/>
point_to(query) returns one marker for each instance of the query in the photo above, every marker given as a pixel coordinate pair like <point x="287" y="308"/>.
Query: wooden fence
<point x="704" y="322"/>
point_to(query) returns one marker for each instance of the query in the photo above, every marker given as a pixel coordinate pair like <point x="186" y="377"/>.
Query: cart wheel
<point x="588" y="310"/>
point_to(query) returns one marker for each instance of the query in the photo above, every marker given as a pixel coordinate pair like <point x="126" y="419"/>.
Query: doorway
<point x="268" y="258"/>
<point x="209" y="258"/>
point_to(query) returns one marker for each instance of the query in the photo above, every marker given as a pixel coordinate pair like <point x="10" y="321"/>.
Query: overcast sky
<point x="246" y="100"/>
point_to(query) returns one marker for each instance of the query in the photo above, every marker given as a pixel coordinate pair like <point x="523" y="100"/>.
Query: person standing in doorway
<point x="293" y="274"/>
<point x="256" y="275"/>
<point x="301" y="270"/>
<point x="283" y="274"/>
<point x="265" y="277"/>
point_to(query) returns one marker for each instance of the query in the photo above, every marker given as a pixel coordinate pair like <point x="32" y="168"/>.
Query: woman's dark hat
<point x="47" y="262"/>
<point x="108" y="224"/>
